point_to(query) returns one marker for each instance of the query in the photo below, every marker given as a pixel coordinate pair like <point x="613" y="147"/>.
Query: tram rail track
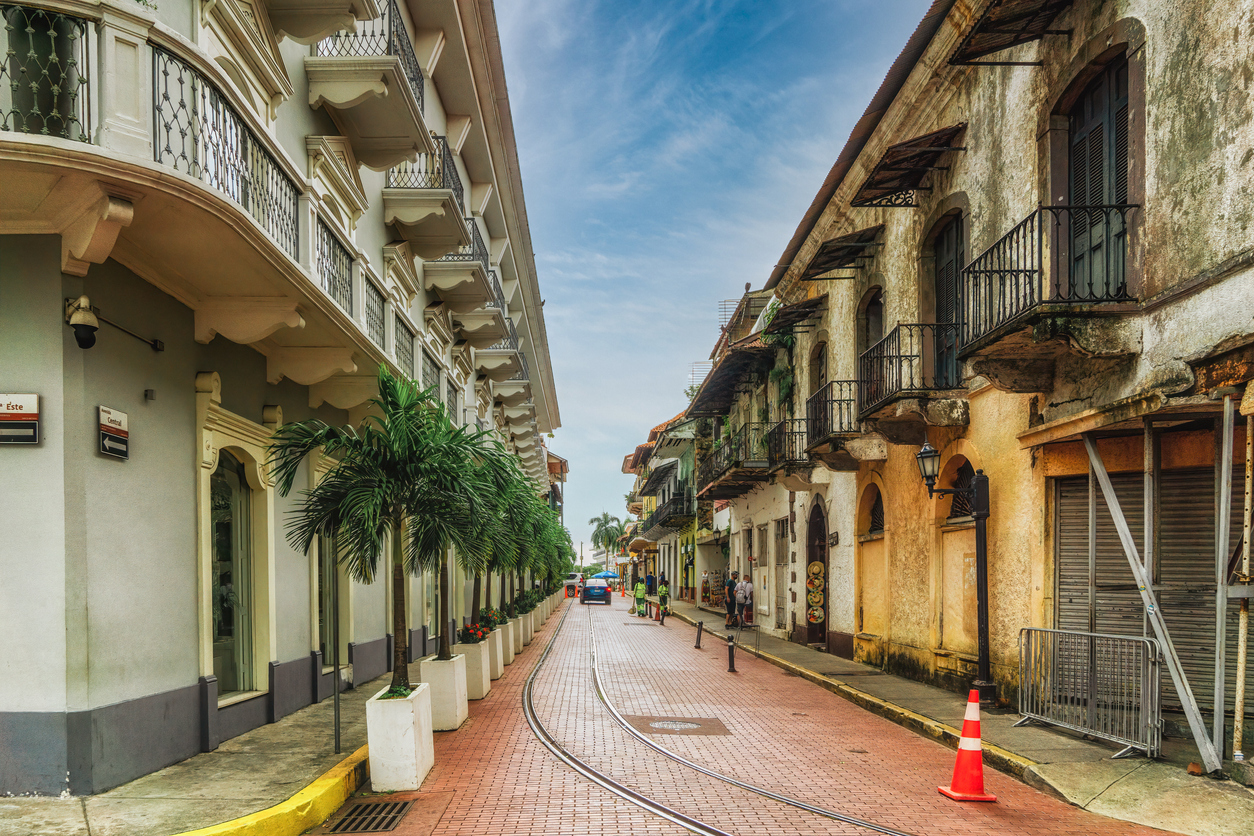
<point x="652" y="805"/>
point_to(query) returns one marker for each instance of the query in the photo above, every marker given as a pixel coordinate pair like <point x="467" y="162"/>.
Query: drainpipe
<point x="1243" y="628"/>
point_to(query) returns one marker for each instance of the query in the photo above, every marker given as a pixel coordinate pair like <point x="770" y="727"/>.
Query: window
<point x="404" y="347"/>
<point x="871" y="320"/>
<point x="949" y="261"/>
<point x="875" y="524"/>
<point x="454" y="411"/>
<point x="960" y="507"/>
<point x="231" y="577"/>
<point x="818" y="368"/>
<point x="326" y="601"/>
<point x="431" y="375"/>
<point x="376" y="328"/>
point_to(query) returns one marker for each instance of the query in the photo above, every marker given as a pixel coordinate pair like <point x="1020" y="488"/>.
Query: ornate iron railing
<point x="833" y="410"/>
<point x="510" y="341"/>
<point x="745" y="447"/>
<point x="198" y="133"/>
<point x="44" y="80"/>
<point x="385" y="35"/>
<point x="335" y="267"/>
<point x="376" y="325"/>
<point x="786" y="443"/>
<point x="476" y="250"/>
<point x="681" y="504"/>
<point x="914" y="357"/>
<point x="430" y="171"/>
<point x="498" y="295"/>
<point x="1056" y="255"/>
<point x="524" y="373"/>
<point x="404" y="347"/>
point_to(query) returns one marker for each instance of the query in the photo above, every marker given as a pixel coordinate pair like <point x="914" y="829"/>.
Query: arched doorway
<point x="871" y="579"/>
<point x="816" y="577"/>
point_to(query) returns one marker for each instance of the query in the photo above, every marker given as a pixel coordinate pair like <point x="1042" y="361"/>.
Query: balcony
<point x="912" y="378"/>
<point x="425" y="200"/>
<point x="461" y="278"/>
<point x="786" y="444"/>
<point x="517" y="387"/>
<point x="832" y="414"/>
<point x="44" y="82"/>
<point x="1049" y="286"/>
<point x="675" y="513"/>
<point x="736" y="466"/>
<point x="501" y="360"/>
<point x="372" y="85"/>
<point x="485" y="327"/>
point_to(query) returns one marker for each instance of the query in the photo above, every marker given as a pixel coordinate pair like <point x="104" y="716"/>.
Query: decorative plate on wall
<point x="815" y="615"/>
<point x="816" y="568"/>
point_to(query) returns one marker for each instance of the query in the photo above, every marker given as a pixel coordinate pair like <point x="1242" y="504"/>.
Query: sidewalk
<point x="1155" y="793"/>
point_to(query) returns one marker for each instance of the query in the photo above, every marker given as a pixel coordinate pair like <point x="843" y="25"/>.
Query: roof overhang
<point x="1009" y="23"/>
<point x="719" y="389"/>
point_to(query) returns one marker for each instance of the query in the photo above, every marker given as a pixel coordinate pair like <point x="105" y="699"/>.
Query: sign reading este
<point x="19" y="419"/>
<point x="114" y="438"/>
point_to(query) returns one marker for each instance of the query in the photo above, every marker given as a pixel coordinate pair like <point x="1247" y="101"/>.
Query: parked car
<point x="574" y="583"/>
<point x="595" y="589"/>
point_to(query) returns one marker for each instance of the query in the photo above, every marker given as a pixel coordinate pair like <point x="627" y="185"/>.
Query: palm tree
<point x="404" y="478"/>
<point x="604" y="528"/>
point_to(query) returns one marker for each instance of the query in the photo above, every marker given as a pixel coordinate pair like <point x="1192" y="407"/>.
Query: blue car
<point x="595" y="589"/>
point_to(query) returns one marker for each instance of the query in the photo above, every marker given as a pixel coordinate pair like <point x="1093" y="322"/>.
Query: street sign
<point x="19" y="419"/>
<point x="114" y="439"/>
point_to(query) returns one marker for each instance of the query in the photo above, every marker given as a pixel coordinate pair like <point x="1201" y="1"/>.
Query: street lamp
<point x="976" y="494"/>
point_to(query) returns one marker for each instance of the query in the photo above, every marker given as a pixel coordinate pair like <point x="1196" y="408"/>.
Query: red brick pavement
<point x="787" y="735"/>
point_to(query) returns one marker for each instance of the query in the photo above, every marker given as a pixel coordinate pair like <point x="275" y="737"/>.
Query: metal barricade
<point x="1098" y="684"/>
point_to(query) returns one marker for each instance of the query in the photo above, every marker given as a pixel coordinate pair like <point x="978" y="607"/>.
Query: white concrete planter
<point x="524" y="621"/>
<point x="478" y="669"/>
<point x="448" y="691"/>
<point x="516" y="625"/>
<point x="507" y="642"/>
<point x="399" y="734"/>
<point x="496" y="655"/>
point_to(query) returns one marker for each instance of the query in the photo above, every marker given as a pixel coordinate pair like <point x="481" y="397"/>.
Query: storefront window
<point x="231" y="575"/>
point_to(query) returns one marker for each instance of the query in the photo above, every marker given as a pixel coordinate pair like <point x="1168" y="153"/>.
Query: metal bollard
<point x="731" y="655"/>
<point x="700" y="627"/>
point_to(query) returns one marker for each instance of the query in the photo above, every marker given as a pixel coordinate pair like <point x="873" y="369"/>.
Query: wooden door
<point x="816" y="577"/>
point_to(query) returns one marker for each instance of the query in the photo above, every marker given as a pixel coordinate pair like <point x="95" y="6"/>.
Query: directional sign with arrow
<point x="19" y="419"/>
<point x="114" y="438"/>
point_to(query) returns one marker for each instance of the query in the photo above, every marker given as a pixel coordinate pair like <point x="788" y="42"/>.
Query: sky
<point x="669" y="149"/>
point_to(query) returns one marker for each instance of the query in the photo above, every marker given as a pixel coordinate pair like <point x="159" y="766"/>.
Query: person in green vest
<point x="640" y="591"/>
<point x="664" y="594"/>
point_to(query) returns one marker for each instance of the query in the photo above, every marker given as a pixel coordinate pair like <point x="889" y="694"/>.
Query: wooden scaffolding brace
<point x="1206" y="746"/>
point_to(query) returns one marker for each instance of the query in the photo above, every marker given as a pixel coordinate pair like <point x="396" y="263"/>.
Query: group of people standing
<point x="644" y="588"/>
<point x="738" y="595"/>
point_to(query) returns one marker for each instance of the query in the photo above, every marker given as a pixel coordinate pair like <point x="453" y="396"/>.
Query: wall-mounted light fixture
<point x="85" y="319"/>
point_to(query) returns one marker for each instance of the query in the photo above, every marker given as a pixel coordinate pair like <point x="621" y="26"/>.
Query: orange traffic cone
<point x="657" y="612"/>
<point x="968" y="780"/>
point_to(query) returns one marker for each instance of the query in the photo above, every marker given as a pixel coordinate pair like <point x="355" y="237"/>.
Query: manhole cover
<point x="373" y="817"/>
<point x="674" y="725"/>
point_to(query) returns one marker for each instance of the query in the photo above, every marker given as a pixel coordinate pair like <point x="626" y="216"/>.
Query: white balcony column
<point x="306" y="246"/>
<point x="359" y="295"/>
<point x="123" y="83"/>
<point x="389" y="328"/>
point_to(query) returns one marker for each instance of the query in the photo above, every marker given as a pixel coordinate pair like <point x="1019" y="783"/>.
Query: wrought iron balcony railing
<point x="476" y="250"/>
<point x="430" y="171"/>
<point x="1056" y="255"/>
<point x="523" y="373"/>
<point x="201" y="135"/>
<point x="385" y="35"/>
<point x="833" y="410"/>
<point x="44" y="80"/>
<point x="914" y="357"/>
<point x="498" y="296"/>
<point x="335" y="267"/>
<point x="510" y="341"/>
<point x="746" y="447"/>
<point x="786" y="443"/>
<point x="671" y="513"/>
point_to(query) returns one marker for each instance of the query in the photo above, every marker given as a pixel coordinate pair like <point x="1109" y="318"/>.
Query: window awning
<point x="1007" y="23"/>
<point x="718" y="392"/>
<point x="657" y="479"/>
<point x="842" y="252"/>
<point x="900" y="172"/>
<point x="788" y="317"/>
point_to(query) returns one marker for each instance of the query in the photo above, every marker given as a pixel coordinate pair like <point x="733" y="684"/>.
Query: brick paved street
<point x="787" y="735"/>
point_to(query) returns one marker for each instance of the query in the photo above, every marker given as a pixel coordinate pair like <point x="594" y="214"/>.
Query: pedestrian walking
<point x="729" y="596"/>
<point x="648" y="581"/>
<point x="641" y="590"/>
<point x="664" y="595"/>
<point x="744" y="599"/>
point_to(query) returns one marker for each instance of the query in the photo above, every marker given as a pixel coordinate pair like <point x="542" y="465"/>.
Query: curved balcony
<point x="425" y="201"/>
<point x="736" y="466"/>
<point x="485" y="326"/>
<point x="462" y="278"/>
<point x="503" y="359"/>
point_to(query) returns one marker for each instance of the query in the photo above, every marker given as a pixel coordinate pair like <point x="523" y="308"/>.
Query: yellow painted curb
<point x="994" y="756"/>
<point x="308" y="808"/>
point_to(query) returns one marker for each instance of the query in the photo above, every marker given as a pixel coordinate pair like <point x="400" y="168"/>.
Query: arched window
<point x="231" y="576"/>
<point x="818" y="368"/>
<point x="871" y="319"/>
<point x="875" y="516"/>
<point x="948" y="247"/>
<point x="960" y="506"/>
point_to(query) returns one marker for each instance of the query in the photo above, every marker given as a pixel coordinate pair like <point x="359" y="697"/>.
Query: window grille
<point x="376" y="328"/>
<point x="877" y="515"/>
<point x="453" y="413"/>
<point x="404" y="347"/>
<point x="431" y="375"/>
<point x="961" y="504"/>
<point x="335" y="267"/>
<point x="200" y="134"/>
<point x="43" y="78"/>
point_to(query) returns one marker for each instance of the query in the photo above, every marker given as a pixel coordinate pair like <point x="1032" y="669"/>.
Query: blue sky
<point x="668" y="151"/>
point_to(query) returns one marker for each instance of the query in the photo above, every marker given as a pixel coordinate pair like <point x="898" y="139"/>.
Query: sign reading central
<point x="114" y="438"/>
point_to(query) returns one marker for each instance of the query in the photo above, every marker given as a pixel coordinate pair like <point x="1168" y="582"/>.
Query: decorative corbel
<point x="344" y="391"/>
<point x="245" y="320"/>
<point x="308" y="366"/>
<point x="89" y="238"/>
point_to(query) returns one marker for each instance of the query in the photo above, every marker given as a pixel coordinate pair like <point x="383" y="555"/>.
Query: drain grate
<point x="641" y="623"/>
<point x="675" y="725"/>
<point x="373" y="817"/>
